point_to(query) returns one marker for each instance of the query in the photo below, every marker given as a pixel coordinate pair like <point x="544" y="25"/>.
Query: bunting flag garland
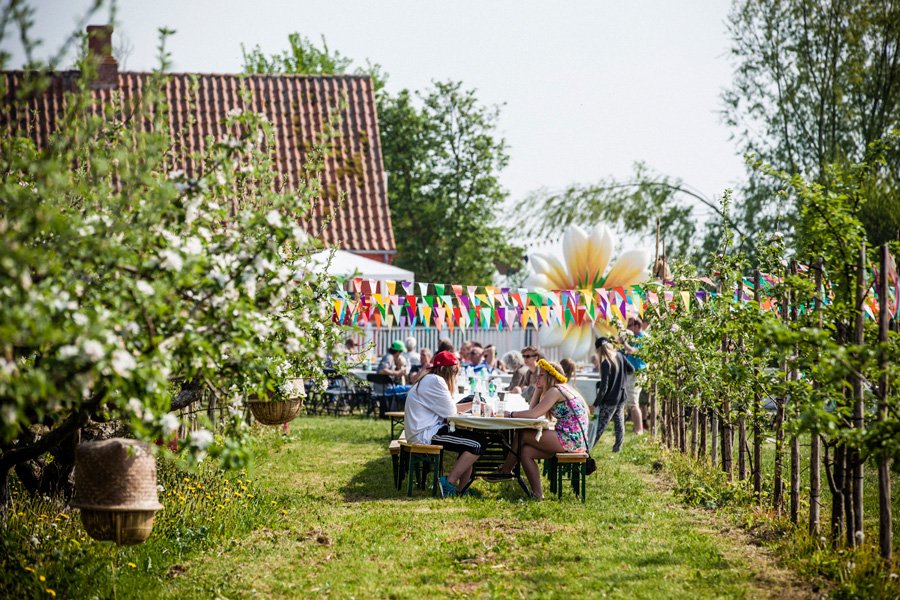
<point x="437" y="305"/>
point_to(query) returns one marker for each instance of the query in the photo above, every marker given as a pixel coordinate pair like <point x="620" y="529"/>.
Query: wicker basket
<point x="115" y="488"/>
<point x="276" y="412"/>
<point x="125" y="528"/>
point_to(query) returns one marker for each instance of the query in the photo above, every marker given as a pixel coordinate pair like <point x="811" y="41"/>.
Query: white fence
<point x="380" y="338"/>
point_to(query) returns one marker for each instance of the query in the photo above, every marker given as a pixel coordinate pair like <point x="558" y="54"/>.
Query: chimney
<point x="100" y="48"/>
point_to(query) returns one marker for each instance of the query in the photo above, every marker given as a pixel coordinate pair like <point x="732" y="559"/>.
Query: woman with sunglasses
<point x="524" y="376"/>
<point x="557" y="400"/>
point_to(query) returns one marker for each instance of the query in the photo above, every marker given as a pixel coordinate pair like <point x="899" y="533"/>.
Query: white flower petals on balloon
<point x="586" y="256"/>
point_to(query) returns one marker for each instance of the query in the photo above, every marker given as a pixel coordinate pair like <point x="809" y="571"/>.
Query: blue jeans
<point x="605" y="412"/>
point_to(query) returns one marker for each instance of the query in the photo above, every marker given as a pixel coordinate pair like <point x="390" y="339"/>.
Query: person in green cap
<point x="393" y="364"/>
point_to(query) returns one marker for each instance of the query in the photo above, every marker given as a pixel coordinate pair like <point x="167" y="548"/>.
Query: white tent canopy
<point x="347" y="264"/>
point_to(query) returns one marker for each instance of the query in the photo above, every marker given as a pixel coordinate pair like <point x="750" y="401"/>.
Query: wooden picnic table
<point x="499" y="432"/>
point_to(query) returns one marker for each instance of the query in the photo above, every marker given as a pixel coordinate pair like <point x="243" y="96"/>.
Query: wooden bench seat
<point x="421" y="448"/>
<point x="420" y="459"/>
<point x="571" y="457"/>
<point x="571" y="464"/>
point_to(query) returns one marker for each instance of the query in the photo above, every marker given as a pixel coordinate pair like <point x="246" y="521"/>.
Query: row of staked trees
<point x="794" y="344"/>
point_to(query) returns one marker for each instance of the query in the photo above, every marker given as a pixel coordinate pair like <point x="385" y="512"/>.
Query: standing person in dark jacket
<point x="610" y="401"/>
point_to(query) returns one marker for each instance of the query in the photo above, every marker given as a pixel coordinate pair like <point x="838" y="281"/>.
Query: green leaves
<point x="443" y="160"/>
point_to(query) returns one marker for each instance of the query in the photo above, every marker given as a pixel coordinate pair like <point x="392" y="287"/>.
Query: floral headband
<point x="553" y="372"/>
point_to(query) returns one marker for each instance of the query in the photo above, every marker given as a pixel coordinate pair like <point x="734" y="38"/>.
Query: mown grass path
<point x="347" y="534"/>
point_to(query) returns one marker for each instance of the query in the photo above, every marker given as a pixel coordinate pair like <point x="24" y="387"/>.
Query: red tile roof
<point x="298" y="108"/>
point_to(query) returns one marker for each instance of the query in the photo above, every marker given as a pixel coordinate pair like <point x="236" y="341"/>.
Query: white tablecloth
<point x="498" y="423"/>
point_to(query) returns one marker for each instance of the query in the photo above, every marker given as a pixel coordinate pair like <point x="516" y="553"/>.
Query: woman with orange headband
<point x="569" y="409"/>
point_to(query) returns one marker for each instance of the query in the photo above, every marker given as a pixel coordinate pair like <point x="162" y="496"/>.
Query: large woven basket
<point x="115" y="488"/>
<point x="276" y="412"/>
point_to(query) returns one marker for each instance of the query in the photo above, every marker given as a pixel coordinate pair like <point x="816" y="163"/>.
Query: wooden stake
<point x="757" y="403"/>
<point x="795" y="439"/>
<point x="884" y="462"/>
<point x="778" y="480"/>
<point x="859" y="404"/>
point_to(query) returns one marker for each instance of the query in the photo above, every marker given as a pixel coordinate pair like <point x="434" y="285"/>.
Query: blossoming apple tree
<point x="129" y="288"/>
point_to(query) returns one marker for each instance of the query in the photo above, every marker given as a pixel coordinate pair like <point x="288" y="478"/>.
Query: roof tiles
<point x="299" y="107"/>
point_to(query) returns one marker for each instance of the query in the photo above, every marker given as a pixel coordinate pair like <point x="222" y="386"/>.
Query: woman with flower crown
<point x="564" y="404"/>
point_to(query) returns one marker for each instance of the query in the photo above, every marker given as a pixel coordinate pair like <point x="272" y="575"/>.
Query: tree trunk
<point x="676" y="422"/>
<point x="778" y="476"/>
<point x="701" y="425"/>
<point x="834" y="472"/>
<point x="814" y="459"/>
<point x="885" y="516"/>
<point x="694" y="420"/>
<point x="682" y="429"/>
<point x="795" y="439"/>
<point x="714" y="438"/>
<point x="653" y="413"/>
<point x="727" y="453"/>
<point x="849" y="519"/>
<point x="665" y="422"/>
<point x="10" y="458"/>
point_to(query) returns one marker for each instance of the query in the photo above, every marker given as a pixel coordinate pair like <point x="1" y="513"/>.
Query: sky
<point x="587" y="88"/>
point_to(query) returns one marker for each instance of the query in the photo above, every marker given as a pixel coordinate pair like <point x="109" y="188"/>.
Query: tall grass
<point x="46" y="552"/>
<point x="852" y="573"/>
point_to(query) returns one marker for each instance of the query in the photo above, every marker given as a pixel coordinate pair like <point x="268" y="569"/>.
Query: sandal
<point x="498" y="475"/>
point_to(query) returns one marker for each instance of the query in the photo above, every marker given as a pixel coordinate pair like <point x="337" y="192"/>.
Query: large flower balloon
<point x="585" y="259"/>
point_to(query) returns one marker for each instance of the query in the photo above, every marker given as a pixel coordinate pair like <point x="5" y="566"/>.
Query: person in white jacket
<point x="428" y="405"/>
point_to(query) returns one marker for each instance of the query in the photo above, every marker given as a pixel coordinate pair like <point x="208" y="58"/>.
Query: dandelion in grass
<point x="586" y="256"/>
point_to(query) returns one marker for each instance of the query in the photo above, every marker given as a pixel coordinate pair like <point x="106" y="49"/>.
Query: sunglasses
<point x="529" y="356"/>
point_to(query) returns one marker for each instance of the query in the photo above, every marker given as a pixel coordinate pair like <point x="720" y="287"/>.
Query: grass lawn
<point x="345" y="532"/>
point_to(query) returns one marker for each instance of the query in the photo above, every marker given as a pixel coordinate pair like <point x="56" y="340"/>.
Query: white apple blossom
<point x="273" y="218"/>
<point x="136" y="407"/>
<point x="201" y="438"/>
<point x="68" y="351"/>
<point x="144" y="287"/>
<point x="93" y="350"/>
<point x="122" y="362"/>
<point x="171" y="260"/>
<point x="9" y="414"/>
<point x="169" y="424"/>
<point x="192" y="246"/>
